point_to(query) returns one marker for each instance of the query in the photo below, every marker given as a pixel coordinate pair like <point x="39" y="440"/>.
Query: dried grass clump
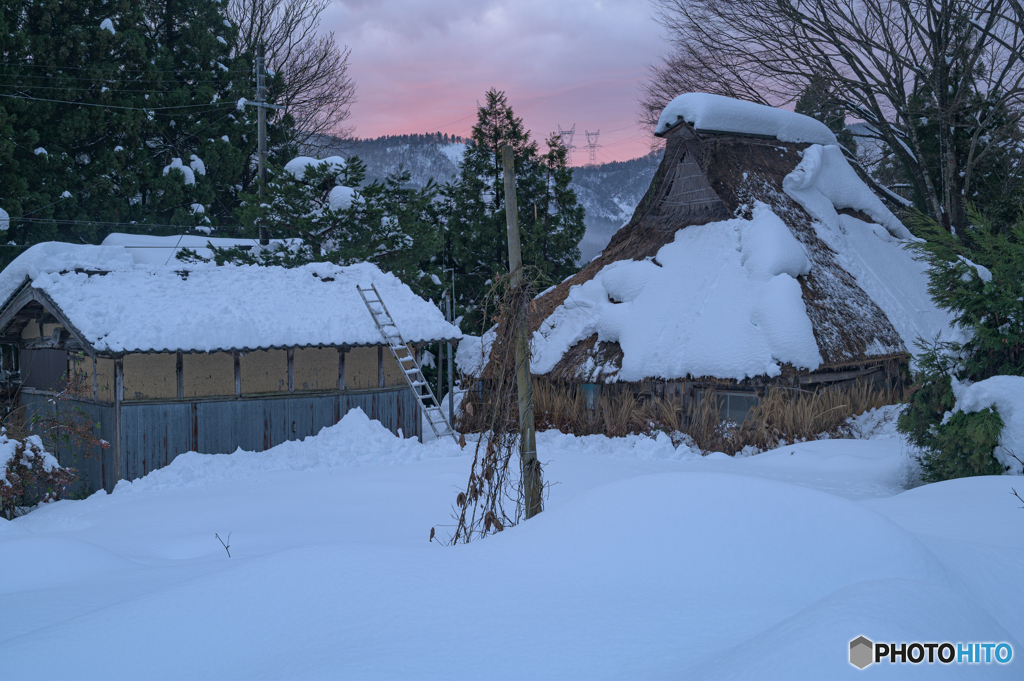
<point x="783" y="415"/>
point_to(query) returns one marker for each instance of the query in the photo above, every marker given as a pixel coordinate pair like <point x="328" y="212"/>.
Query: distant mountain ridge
<point x="609" y="192"/>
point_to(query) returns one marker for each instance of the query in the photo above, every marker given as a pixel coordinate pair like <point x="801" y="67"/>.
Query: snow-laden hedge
<point x="30" y="475"/>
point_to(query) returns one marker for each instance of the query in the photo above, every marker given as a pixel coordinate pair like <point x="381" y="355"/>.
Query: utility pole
<point x="261" y="114"/>
<point x="531" y="474"/>
<point x="451" y="383"/>
<point x="440" y="372"/>
<point x="261" y="121"/>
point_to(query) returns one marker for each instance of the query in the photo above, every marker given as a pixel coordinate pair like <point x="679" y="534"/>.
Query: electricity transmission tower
<point x="592" y="145"/>
<point x="567" y="136"/>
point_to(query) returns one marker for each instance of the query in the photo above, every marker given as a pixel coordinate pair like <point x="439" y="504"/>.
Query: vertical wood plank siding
<point x="153" y="433"/>
<point x="95" y="466"/>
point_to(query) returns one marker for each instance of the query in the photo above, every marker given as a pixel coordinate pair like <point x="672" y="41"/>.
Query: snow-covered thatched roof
<point x="714" y="113"/>
<point x="746" y="256"/>
<point x="114" y="304"/>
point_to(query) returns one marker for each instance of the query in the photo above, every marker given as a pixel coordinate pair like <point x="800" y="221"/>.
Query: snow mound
<point x="197" y="164"/>
<point x="638" y="447"/>
<point x="824" y="181"/>
<point x="353" y="441"/>
<point x="1004" y="394"/>
<point x="186" y="171"/>
<point x="341" y="198"/>
<point x="160" y="250"/>
<point x="473" y="352"/>
<point x="298" y="165"/>
<point x="720" y="300"/>
<point x="724" y="114"/>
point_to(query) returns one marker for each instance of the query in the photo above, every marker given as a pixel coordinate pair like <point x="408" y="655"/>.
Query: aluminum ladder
<point x="407" y="361"/>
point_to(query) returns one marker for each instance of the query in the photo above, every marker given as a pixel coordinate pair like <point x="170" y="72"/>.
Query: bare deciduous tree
<point x="913" y="70"/>
<point x="318" y="91"/>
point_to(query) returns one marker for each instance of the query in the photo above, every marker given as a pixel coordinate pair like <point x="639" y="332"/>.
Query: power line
<point x="111" y="106"/>
<point x="104" y="223"/>
<point x="96" y="89"/>
<point x="91" y="68"/>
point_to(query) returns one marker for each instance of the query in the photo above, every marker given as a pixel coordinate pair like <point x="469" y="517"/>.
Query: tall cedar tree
<point x="988" y="303"/>
<point x="193" y="70"/>
<point x="60" y="161"/>
<point x="105" y="150"/>
<point x="550" y="218"/>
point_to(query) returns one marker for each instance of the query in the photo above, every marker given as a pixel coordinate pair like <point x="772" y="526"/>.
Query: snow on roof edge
<point x="716" y="113"/>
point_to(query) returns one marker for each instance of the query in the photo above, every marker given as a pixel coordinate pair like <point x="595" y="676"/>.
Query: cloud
<point x="422" y="66"/>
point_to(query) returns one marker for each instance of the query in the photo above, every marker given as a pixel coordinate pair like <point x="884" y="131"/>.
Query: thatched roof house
<point x="170" y="359"/>
<point x="757" y="257"/>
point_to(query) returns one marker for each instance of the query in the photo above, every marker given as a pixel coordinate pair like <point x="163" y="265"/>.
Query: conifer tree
<point x="64" y="165"/>
<point x="121" y="115"/>
<point x="820" y="103"/>
<point x="316" y="205"/>
<point x="550" y="219"/>
<point x="198" y="84"/>
<point x="982" y="286"/>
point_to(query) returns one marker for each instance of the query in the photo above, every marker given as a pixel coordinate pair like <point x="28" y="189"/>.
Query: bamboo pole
<point x="530" y="468"/>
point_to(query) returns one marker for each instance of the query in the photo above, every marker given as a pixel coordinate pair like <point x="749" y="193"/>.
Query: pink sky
<point x="422" y="66"/>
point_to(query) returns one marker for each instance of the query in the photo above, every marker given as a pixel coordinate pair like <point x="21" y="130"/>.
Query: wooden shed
<point x="208" y="359"/>
<point x="757" y="258"/>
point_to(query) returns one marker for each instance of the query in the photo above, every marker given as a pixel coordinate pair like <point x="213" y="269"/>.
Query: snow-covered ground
<point x="649" y="562"/>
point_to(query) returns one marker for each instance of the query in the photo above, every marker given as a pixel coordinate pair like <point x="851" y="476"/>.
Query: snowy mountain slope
<point x="649" y="562"/>
<point x="423" y="156"/>
<point x="609" y="192"/>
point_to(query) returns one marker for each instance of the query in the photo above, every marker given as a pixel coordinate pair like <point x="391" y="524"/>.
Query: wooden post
<point x="290" y="354"/>
<point x="120" y="457"/>
<point x="179" y="376"/>
<point x="530" y="467"/>
<point x="341" y="368"/>
<point x="238" y="373"/>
